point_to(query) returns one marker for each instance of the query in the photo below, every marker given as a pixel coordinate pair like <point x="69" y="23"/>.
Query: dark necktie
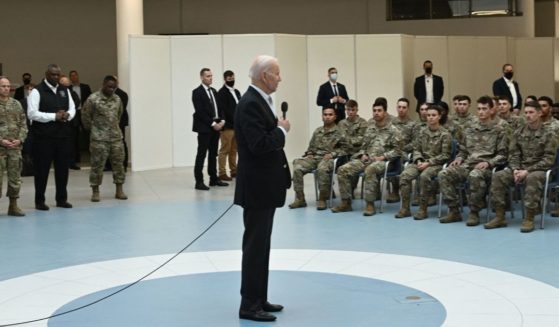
<point x="212" y="102"/>
<point x="335" y="90"/>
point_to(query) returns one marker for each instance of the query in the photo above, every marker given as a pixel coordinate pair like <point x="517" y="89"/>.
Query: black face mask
<point x="26" y="81"/>
<point x="428" y="70"/>
<point x="230" y="83"/>
<point x="509" y="75"/>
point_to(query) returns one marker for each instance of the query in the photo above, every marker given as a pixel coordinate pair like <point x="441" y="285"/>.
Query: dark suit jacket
<point x="19" y="94"/>
<point x="124" y="120"/>
<point x="226" y="104"/>
<point x="263" y="174"/>
<point x="204" y="112"/>
<point x="501" y="88"/>
<point x="325" y="93"/>
<point x="85" y="91"/>
<point x="420" y="92"/>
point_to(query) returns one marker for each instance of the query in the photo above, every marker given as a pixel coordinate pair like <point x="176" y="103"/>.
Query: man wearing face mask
<point x="333" y="94"/>
<point x="22" y="92"/>
<point x="505" y="86"/>
<point x="227" y="99"/>
<point x="428" y="88"/>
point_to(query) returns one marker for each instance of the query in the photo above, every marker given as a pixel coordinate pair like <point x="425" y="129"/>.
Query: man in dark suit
<point x="262" y="180"/>
<point x="428" y="88"/>
<point x="21" y="92"/>
<point x="505" y="86"/>
<point x="207" y="122"/>
<point x="227" y="99"/>
<point x="333" y="94"/>
<point x="83" y="91"/>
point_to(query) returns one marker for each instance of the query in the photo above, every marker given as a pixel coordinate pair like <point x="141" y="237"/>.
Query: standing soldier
<point x="327" y="143"/>
<point x="484" y="146"/>
<point x="101" y="115"/>
<point x="382" y="143"/>
<point x="13" y="130"/>
<point x="431" y="151"/>
<point x="533" y="150"/>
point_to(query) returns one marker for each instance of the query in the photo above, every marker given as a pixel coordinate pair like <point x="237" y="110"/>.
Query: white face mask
<point x="333" y="77"/>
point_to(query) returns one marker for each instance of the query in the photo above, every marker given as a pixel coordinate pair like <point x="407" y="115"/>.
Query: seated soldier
<point x="382" y="142"/>
<point x="532" y="152"/>
<point x="327" y="143"/>
<point x="484" y="146"/>
<point x="431" y="151"/>
<point x="353" y="127"/>
<point x="505" y="113"/>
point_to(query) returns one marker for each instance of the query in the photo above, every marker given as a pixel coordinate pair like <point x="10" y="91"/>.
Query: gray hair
<point x="4" y="77"/>
<point x="261" y="64"/>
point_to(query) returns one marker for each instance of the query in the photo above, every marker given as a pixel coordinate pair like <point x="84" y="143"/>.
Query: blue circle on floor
<point x="212" y="299"/>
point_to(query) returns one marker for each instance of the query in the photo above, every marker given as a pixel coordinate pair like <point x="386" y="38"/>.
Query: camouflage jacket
<point x="515" y="122"/>
<point x="433" y="146"/>
<point x="533" y="150"/>
<point x="12" y="121"/>
<point x="484" y="143"/>
<point x="101" y="115"/>
<point x="381" y="141"/>
<point x="326" y="141"/>
<point x="354" y="132"/>
<point x="406" y="128"/>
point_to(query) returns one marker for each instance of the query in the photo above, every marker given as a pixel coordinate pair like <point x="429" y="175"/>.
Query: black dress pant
<point x="47" y="150"/>
<point x="207" y="144"/>
<point x="75" y="153"/>
<point x="256" y="256"/>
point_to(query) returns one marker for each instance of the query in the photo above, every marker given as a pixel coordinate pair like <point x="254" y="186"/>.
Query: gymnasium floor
<point x="327" y="269"/>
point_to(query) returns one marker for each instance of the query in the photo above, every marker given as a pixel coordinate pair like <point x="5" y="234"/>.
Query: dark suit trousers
<point x="207" y="144"/>
<point x="256" y="256"/>
<point x="47" y="150"/>
<point x="75" y="148"/>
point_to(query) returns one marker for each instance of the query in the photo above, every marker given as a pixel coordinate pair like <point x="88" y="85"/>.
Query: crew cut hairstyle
<point x="351" y="104"/>
<point x="203" y="70"/>
<point x="228" y="73"/>
<point x="380" y="101"/>
<point x="486" y="100"/>
<point x="533" y="104"/>
<point x="109" y="78"/>
<point x="546" y="99"/>
<point x="404" y="100"/>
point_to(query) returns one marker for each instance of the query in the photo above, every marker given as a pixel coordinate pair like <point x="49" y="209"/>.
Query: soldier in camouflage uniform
<point x="432" y="149"/>
<point x="327" y="143"/>
<point x="532" y="152"/>
<point x="546" y="103"/>
<point x="484" y="146"/>
<point x="13" y="131"/>
<point x="382" y="143"/>
<point x="463" y="118"/>
<point x="406" y="126"/>
<point x="353" y="127"/>
<point x="505" y="113"/>
<point x="101" y="115"/>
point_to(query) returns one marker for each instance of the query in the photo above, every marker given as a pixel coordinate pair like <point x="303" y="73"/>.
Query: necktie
<point x="212" y="102"/>
<point x="335" y="90"/>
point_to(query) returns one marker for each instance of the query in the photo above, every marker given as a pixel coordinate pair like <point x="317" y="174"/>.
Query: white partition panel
<point x="534" y="68"/>
<point x="291" y="51"/>
<point x="189" y="54"/>
<point x="461" y="60"/>
<point x="408" y="70"/>
<point x="323" y="52"/>
<point x="491" y="54"/>
<point x="379" y="71"/>
<point x="150" y="85"/>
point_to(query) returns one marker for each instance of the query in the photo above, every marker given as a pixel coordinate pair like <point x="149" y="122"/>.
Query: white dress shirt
<point x="512" y="89"/>
<point x="270" y="103"/>
<point x="429" y="97"/>
<point x="232" y="91"/>
<point x="34" y="100"/>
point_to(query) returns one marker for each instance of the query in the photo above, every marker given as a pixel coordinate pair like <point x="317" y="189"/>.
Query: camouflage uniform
<point x="12" y="127"/>
<point x="354" y="132"/>
<point x="324" y="141"/>
<point x="481" y="143"/>
<point x="101" y="115"/>
<point x="515" y="122"/>
<point x="379" y="140"/>
<point x="406" y="128"/>
<point x="461" y="124"/>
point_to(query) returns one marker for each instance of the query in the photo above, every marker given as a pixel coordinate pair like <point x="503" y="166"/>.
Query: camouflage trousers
<point x="426" y="183"/>
<point x="10" y="161"/>
<point x="100" y="152"/>
<point x="452" y="177"/>
<point x="347" y="172"/>
<point x="304" y="166"/>
<point x="504" y="179"/>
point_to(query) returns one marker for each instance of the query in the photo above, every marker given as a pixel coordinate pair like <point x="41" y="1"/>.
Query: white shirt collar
<point x="266" y="97"/>
<point x="50" y="85"/>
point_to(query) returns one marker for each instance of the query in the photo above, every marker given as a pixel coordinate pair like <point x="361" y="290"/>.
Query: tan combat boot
<point x="421" y="213"/>
<point x="95" y="197"/>
<point x="452" y="217"/>
<point x="369" y="209"/>
<point x="299" y="200"/>
<point x="405" y="210"/>
<point x="394" y="195"/>
<point x="345" y="206"/>
<point x="14" y="210"/>
<point x="473" y="217"/>
<point x="432" y="200"/>
<point x="498" y="221"/>
<point x="119" y="194"/>
<point x="528" y="222"/>
<point x="321" y="203"/>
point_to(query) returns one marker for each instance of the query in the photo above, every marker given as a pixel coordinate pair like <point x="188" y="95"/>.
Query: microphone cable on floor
<point x="129" y="285"/>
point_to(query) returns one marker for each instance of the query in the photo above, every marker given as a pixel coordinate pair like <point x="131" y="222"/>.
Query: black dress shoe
<point x="66" y="205"/>
<point x="218" y="183"/>
<point x="201" y="186"/>
<point x="269" y="307"/>
<point x="75" y="167"/>
<point x="41" y="206"/>
<point x="259" y="315"/>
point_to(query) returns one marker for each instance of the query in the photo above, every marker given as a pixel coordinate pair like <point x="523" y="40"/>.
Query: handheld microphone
<point x="284" y="109"/>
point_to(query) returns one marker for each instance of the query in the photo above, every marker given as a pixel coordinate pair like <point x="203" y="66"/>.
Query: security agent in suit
<point x="207" y="122"/>
<point x="21" y="92"/>
<point x="227" y="98"/>
<point x="428" y="88"/>
<point x="50" y="109"/>
<point x="83" y="91"/>
<point x="505" y="86"/>
<point x="333" y="93"/>
<point x="262" y="180"/>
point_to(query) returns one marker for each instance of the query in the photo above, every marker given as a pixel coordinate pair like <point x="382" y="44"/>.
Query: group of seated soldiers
<point x="492" y="151"/>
